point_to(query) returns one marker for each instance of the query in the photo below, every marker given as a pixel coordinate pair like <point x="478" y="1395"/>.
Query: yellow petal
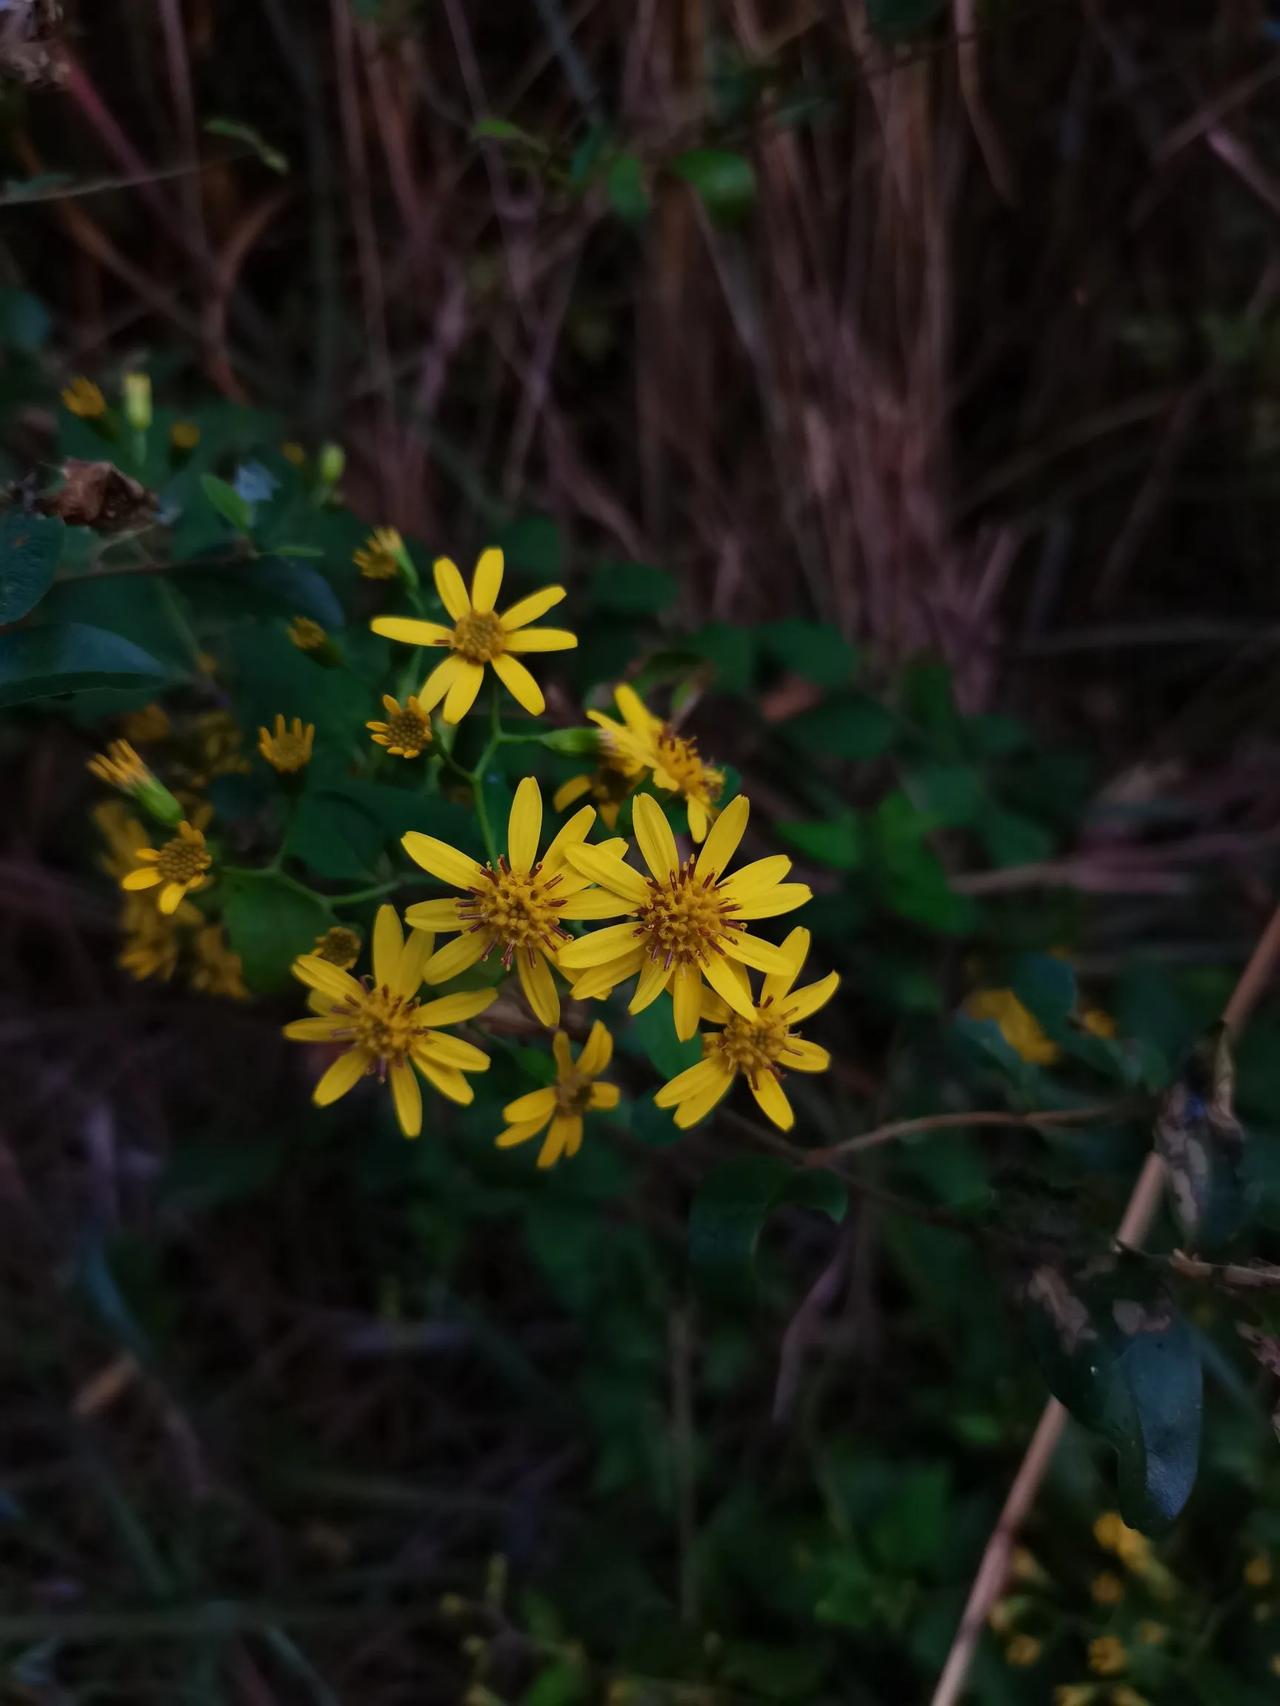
<point x="413" y="959"/>
<point x="796" y="948"/>
<point x="571" y="833"/>
<point x="598" y="947"/>
<point x="346" y="1071"/>
<point x="446" y="1079"/>
<point x="455" y="957"/>
<point x="698" y="820"/>
<point x="756" y="878"/>
<point x="686" y="1000"/>
<point x="570" y="791"/>
<point x="695" y="1108"/>
<point x="529" y="609"/>
<point x="722" y="843"/>
<point x="147" y="878"/>
<point x="326" y="977"/>
<point x="541" y="640"/>
<point x="171" y="897"/>
<point x="802" y="1002"/>
<point x="597" y="1051"/>
<point x="524" y="825"/>
<point x="462" y="695"/>
<point x="406" y="1093"/>
<point x="604" y="1096"/>
<point x="443" y="861"/>
<point x="654" y="838"/>
<point x="595" y="903"/>
<point x="453" y="594"/>
<point x="519" y="684"/>
<point x="773" y="1100"/>
<point x="486" y="583"/>
<point x="433" y="915"/>
<point x="439" y="682"/>
<point x="751" y="951"/>
<point x="654" y="978"/>
<point x="388" y="941"/>
<point x="786" y="897"/>
<point x="692" y="1081"/>
<point x="539" y="988"/>
<point x="444" y="1050"/>
<point x="312" y="1030"/>
<point x="563" y="1138"/>
<point x="453" y="1009"/>
<point x="719" y="974"/>
<point x="562" y="1054"/>
<point x="599" y="981"/>
<point x="533" y="1105"/>
<point x="635" y="713"/>
<point x="800" y="1056"/>
<point x="519" y="1133"/>
<point x="413" y="633"/>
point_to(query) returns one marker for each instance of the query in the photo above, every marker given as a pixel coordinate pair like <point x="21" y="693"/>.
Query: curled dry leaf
<point x="98" y="495"/>
<point x="1201" y="1142"/>
<point x="30" y="43"/>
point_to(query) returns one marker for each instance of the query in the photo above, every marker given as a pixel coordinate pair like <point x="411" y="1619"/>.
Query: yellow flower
<point x="176" y="869"/>
<point x="137" y="400"/>
<point x="386" y="1029"/>
<point x="1107" y="1655"/>
<point x="606" y="787"/>
<point x="184" y="435"/>
<point x="1107" y="1588"/>
<point x="293" y="453"/>
<point x="288" y="749"/>
<point x="480" y="636"/>
<point x="407" y="730"/>
<point x="82" y="397"/>
<point x="121" y="767"/>
<point x="563" y="1105"/>
<point x="1275" y="1664"/>
<point x="1023" y="1650"/>
<point x="378" y="559"/>
<point x="517" y="907"/>
<point x="150" y="946"/>
<point x="1074" y="1694"/>
<point x="150" y="723"/>
<point x="1257" y="1572"/>
<point x="686" y="921"/>
<point x="1098" y="1023"/>
<point x="645" y="743"/>
<point x="220" y="742"/>
<point x="218" y="969"/>
<point x="1126" y="1696"/>
<point x="1113" y="1534"/>
<point x="307" y="635"/>
<point x="761" y="1047"/>
<point x="1004" y="1615"/>
<point x="1018" y="1027"/>
<point x="1151" y="1633"/>
<point x="339" y="946"/>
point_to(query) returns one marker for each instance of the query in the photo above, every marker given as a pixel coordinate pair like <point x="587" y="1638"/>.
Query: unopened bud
<point x="330" y="464"/>
<point x="137" y="400"/>
<point x="572" y="743"/>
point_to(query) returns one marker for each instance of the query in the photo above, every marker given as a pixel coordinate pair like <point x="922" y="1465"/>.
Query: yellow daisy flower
<point x="378" y="559"/>
<point x="1023" y="1651"/>
<point x="121" y="767"/>
<point x="218" y="969"/>
<point x="307" y="635"/>
<point x="83" y="398"/>
<point x="645" y="743"/>
<point x="606" y="787"/>
<point x="1074" y="1694"/>
<point x="177" y="868"/>
<point x="340" y="946"/>
<point x="288" y="749"/>
<point x="148" y="723"/>
<point x="1019" y="1028"/>
<point x="1107" y="1655"/>
<point x="150" y="946"/>
<point x="184" y="435"/>
<point x="1106" y="1588"/>
<point x="386" y="1028"/>
<point x="562" y="1105"/>
<point x="480" y="636"/>
<point x="518" y="907"/>
<point x="407" y="730"/>
<point x="687" y="921"/>
<point x="760" y="1046"/>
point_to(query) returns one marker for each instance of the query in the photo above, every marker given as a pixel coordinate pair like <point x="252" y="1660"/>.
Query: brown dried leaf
<point x="30" y="43"/>
<point x="98" y="495"/>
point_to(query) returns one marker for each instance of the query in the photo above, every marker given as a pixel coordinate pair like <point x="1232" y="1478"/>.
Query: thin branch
<point x="951" y="1122"/>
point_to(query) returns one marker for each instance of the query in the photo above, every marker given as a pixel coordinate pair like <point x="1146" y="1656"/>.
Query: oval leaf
<point x="1202" y="1144"/>
<point x="731" y="1208"/>
<point x="724" y="182"/>
<point x="269" y="922"/>
<point x="30" y="546"/>
<point x="68" y="657"/>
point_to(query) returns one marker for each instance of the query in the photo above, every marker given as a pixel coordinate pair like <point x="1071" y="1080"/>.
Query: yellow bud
<point x="1107" y="1588"/>
<point x="1023" y="1650"/>
<point x="331" y="463"/>
<point x="184" y="436"/>
<point x="1257" y="1572"/>
<point x="137" y="400"/>
<point x="1107" y="1656"/>
<point x="1151" y="1633"/>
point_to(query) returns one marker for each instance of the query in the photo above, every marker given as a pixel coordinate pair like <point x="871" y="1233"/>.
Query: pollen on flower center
<point x="383" y="1023"/>
<point x="573" y="1093"/>
<point x="752" y="1046"/>
<point x="408" y="728"/>
<point x="680" y="759"/>
<point x="478" y="636"/>
<point x="517" y="909"/>
<point x="685" y="918"/>
<point x="182" y="861"/>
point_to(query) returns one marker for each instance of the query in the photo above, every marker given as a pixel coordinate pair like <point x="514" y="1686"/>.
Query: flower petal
<point x="529" y="609"/>
<point x="439" y="682"/>
<point x="444" y="1050"/>
<point x="446" y="1079"/>
<point x="570" y="791"/>
<point x="773" y="1101"/>
<point x="686" y="1000"/>
<point x="455" y="957"/>
<point x="695" y="1108"/>
<point x="720" y="975"/>
<point x="442" y="861"/>
<point x="654" y="838"/>
<point x="171" y="897"/>
<point x="412" y="632"/>
<point x="800" y="1056"/>
<point x="756" y="878"/>
<point x="594" y="903"/>
<point x="406" y="1093"/>
<point x="541" y="640"/>
<point x="563" y="1138"/>
<point x="343" y="1075"/>
<point x="598" y="948"/>
<point x="609" y="871"/>
<point x="796" y="948"/>
<point x="147" y="878"/>
<point x="413" y="959"/>
<point x="524" y="826"/>
<point x="786" y="897"/>
<point x="519" y="684"/>
<point x="520" y="1133"/>
<point x="454" y="1009"/>
<point x="312" y="1030"/>
<point x="604" y="1096"/>
<point x="634" y="712"/>
<point x="486" y="582"/>
<point x="533" y="1105"/>
<point x="462" y="695"/>
<point x="722" y="843"/>
<point x="433" y="915"/>
<point x="698" y="820"/>
<point x="597" y="1051"/>
<point x="751" y="951"/>
<point x="388" y="941"/>
<point x="571" y="832"/>
<point x="802" y="1002"/>
<point x="562" y="1054"/>
<point x="539" y="987"/>
<point x="693" y="1081"/>
<point x="449" y="584"/>
<point x="326" y="977"/>
<point x="600" y="981"/>
<point x="654" y="978"/>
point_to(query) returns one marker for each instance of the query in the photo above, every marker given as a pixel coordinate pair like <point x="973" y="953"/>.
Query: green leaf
<point x="1126" y="1365"/>
<point x="1203" y="1147"/>
<point x="69" y="657"/>
<point x="907" y="873"/>
<point x="628" y="191"/>
<point x="334" y="836"/>
<point x="1011" y="838"/>
<point x="632" y="589"/>
<point x="238" y="131"/>
<point x="30" y="546"/>
<point x="850" y="727"/>
<point x="952" y="794"/>
<point x="24" y="320"/>
<point x="814" y="650"/>
<point x="205" y="1172"/>
<point x="731" y="1207"/>
<point x="836" y="841"/>
<point x="1046" y="986"/>
<point x="730" y="649"/>
<point x="493" y="129"/>
<point x="896" y="19"/>
<point x="655" y="1031"/>
<point x="774" y="1673"/>
<point x="228" y="502"/>
<point x="269" y="922"/>
<point x="724" y="182"/>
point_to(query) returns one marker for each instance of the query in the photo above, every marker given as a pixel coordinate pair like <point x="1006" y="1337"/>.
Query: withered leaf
<point x="98" y="495"/>
<point x="1201" y="1142"/>
<point x="30" y="40"/>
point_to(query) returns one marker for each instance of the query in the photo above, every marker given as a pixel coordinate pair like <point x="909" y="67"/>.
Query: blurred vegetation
<point x="892" y="388"/>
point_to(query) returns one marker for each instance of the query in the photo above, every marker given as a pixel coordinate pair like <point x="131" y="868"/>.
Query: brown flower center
<point x="517" y="909"/>
<point x="573" y="1093"/>
<point x="182" y="861"/>
<point x="685" y="918"/>
<point x="680" y="760"/>
<point x="381" y="1022"/>
<point x="478" y="637"/>
<point x="408" y="728"/>
<point x="752" y="1046"/>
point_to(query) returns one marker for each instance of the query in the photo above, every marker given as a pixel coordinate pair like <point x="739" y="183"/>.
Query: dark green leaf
<point x="269" y="923"/>
<point x="908" y="875"/>
<point x="1011" y="838"/>
<point x="334" y="836"/>
<point x="836" y="842"/>
<point x="24" y="320"/>
<point x="850" y="727"/>
<point x="952" y="794"/>
<point x="724" y="182"/>
<point x="30" y="546"/>
<point x="896" y="19"/>
<point x="632" y="589"/>
<point x="1203" y="1147"/>
<point x="815" y="650"/>
<point x="204" y="1172"/>
<point x="228" y="502"/>
<point x="68" y="657"/>
<point x="238" y="131"/>
<point x="655" y="1031"/>
<point x="731" y="1208"/>
<point x="1046" y="986"/>
<point x="731" y="651"/>
<point x="628" y="191"/>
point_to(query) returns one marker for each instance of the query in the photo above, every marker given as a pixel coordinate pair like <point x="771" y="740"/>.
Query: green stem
<point x="373" y="892"/>
<point x="496" y="737"/>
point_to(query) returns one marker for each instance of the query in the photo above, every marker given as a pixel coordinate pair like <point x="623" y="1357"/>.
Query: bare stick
<point x="989" y="1582"/>
<point x="977" y="1117"/>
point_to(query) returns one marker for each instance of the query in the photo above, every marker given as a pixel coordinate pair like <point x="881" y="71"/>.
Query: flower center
<point x="182" y="861"/>
<point x="478" y="636"/>
<point x="289" y="752"/>
<point x="573" y="1093"/>
<point x="340" y="946"/>
<point x="517" y="910"/>
<point x="684" y="919"/>
<point x="752" y="1046"/>
<point x="407" y="728"/>
<point x="680" y="759"/>
<point x="383" y="1023"/>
